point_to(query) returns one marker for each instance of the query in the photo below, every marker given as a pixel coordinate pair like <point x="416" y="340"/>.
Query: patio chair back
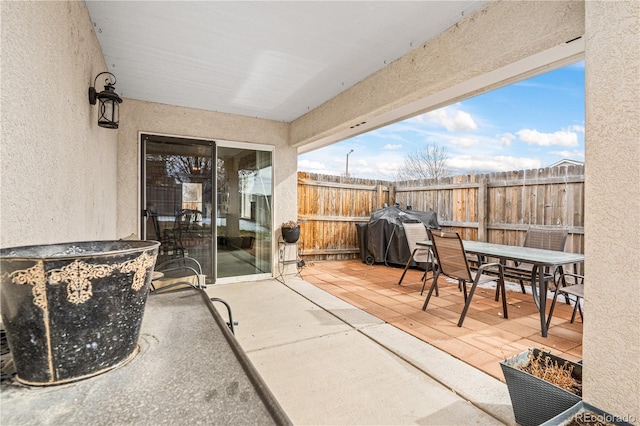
<point x="450" y="255"/>
<point x="548" y="239"/>
<point x="540" y="238"/>
<point x="416" y="232"/>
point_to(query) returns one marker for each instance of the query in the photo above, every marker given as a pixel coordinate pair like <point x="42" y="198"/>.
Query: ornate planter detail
<point x="74" y="310"/>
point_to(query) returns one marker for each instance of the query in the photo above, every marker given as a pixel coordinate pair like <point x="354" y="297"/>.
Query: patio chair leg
<point x="434" y="284"/>
<point x="573" y="314"/>
<point x="504" y="298"/>
<point x="553" y="305"/>
<point x="424" y="278"/>
<point x="405" y="270"/>
<point x="424" y="283"/>
<point x="467" y="301"/>
<point x="577" y="308"/>
<point x="406" y="267"/>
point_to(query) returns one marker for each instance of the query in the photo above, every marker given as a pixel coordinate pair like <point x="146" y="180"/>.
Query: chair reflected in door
<point x="170" y="243"/>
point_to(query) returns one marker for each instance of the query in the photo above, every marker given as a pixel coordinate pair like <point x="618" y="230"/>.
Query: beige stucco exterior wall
<point x="64" y="178"/>
<point x="498" y="35"/>
<point x="611" y="337"/>
<point x="57" y="167"/>
<point x="138" y="116"/>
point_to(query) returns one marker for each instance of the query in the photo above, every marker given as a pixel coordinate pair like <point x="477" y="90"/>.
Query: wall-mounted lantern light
<point x="109" y="100"/>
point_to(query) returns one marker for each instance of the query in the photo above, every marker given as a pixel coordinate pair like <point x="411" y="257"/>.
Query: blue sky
<point x="526" y="125"/>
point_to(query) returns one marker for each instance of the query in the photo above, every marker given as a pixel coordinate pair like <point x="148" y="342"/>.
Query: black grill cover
<point x="386" y="241"/>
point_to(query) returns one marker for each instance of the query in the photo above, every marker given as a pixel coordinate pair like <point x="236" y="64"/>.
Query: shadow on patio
<point x="485" y="337"/>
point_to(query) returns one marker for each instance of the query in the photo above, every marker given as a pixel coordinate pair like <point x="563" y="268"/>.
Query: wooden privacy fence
<point x="494" y="207"/>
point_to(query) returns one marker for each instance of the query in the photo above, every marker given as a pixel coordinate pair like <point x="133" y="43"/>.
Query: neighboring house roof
<point x="566" y="162"/>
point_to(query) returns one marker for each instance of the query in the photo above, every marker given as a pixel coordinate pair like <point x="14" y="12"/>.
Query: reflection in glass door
<point x="178" y="198"/>
<point x="181" y="191"/>
<point x="243" y="213"/>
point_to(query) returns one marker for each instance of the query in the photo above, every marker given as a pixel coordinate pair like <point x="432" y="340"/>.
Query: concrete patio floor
<point x="330" y="363"/>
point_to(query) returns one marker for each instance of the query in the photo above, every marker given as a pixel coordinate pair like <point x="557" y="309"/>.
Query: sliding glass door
<point x="209" y="201"/>
<point x="243" y="213"/>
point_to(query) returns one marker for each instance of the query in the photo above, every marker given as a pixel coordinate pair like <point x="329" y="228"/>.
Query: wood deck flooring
<point x="484" y="339"/>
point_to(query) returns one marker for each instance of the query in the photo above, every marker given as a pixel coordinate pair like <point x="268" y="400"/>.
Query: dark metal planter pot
<point x="291" y="235"/>
<point x="587" y="414"/>
<point x="534" y="400"/>
<point x="74" y="310"/>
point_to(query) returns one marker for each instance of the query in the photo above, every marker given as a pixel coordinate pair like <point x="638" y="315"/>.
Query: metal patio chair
<point x="182" y="273"/>
<point x="541" y="238"/>
<point x="178" y="273"/>
<point x="416" y="232"/>
<point x="575" y="288"/>
<point x="452" y="262"/>
<point x="170" y="245"/>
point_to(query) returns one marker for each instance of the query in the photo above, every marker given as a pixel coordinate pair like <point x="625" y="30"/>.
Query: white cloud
<point x="467" y="163"/>
<point x="464" y="142"/>
<point x="452" y="119"/>
<point x="568" y="154"/>
<point x="389" y="132"/>
<point x="560" y="138"/>
<point x="314" y="167"/>
<point x="392" y="147"/>
<point x="506" y="138"/>
<point x="377" y="165"/>
<point x="388" y="169"/>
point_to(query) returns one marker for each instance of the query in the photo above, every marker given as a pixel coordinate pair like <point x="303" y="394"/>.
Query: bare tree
<point x="427" y="163"/>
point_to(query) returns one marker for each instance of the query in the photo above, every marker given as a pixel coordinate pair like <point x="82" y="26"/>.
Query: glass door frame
<point x="219" y="143"/>
<point x="142" y="196"/>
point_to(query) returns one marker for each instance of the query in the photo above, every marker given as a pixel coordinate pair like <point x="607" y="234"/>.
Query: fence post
<point x="482" y="210"/>
<point x="379" y="193"/>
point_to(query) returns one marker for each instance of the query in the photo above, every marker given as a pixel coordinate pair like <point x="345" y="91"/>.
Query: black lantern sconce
<point x="109" y="100"/>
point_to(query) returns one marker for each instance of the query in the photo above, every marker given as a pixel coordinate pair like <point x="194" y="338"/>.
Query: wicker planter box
<point x="534" y="400"/>
<point x="586" y="413"/>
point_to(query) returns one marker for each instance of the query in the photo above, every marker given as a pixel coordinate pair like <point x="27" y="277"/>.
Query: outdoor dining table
<point x="539" y="258"/>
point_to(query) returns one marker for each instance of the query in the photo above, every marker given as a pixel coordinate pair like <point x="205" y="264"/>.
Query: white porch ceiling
<point x="273" y="60"/>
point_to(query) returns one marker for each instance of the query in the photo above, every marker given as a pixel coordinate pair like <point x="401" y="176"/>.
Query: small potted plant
<point x="290" y="231"/>
<point x="541" y="385"/>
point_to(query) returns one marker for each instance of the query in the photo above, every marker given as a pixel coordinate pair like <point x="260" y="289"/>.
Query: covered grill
<point x="382" y="240"/>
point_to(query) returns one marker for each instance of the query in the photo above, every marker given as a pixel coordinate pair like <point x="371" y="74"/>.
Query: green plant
<point x="289" y="224"/>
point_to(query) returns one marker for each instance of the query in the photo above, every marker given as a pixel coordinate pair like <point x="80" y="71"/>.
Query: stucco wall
<point x="500" y="34"/>
<point x="63" y="178"/>
<point x="612" y="207"/>
<point x="57" y="167"/>
<point x="138" y="116"/>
